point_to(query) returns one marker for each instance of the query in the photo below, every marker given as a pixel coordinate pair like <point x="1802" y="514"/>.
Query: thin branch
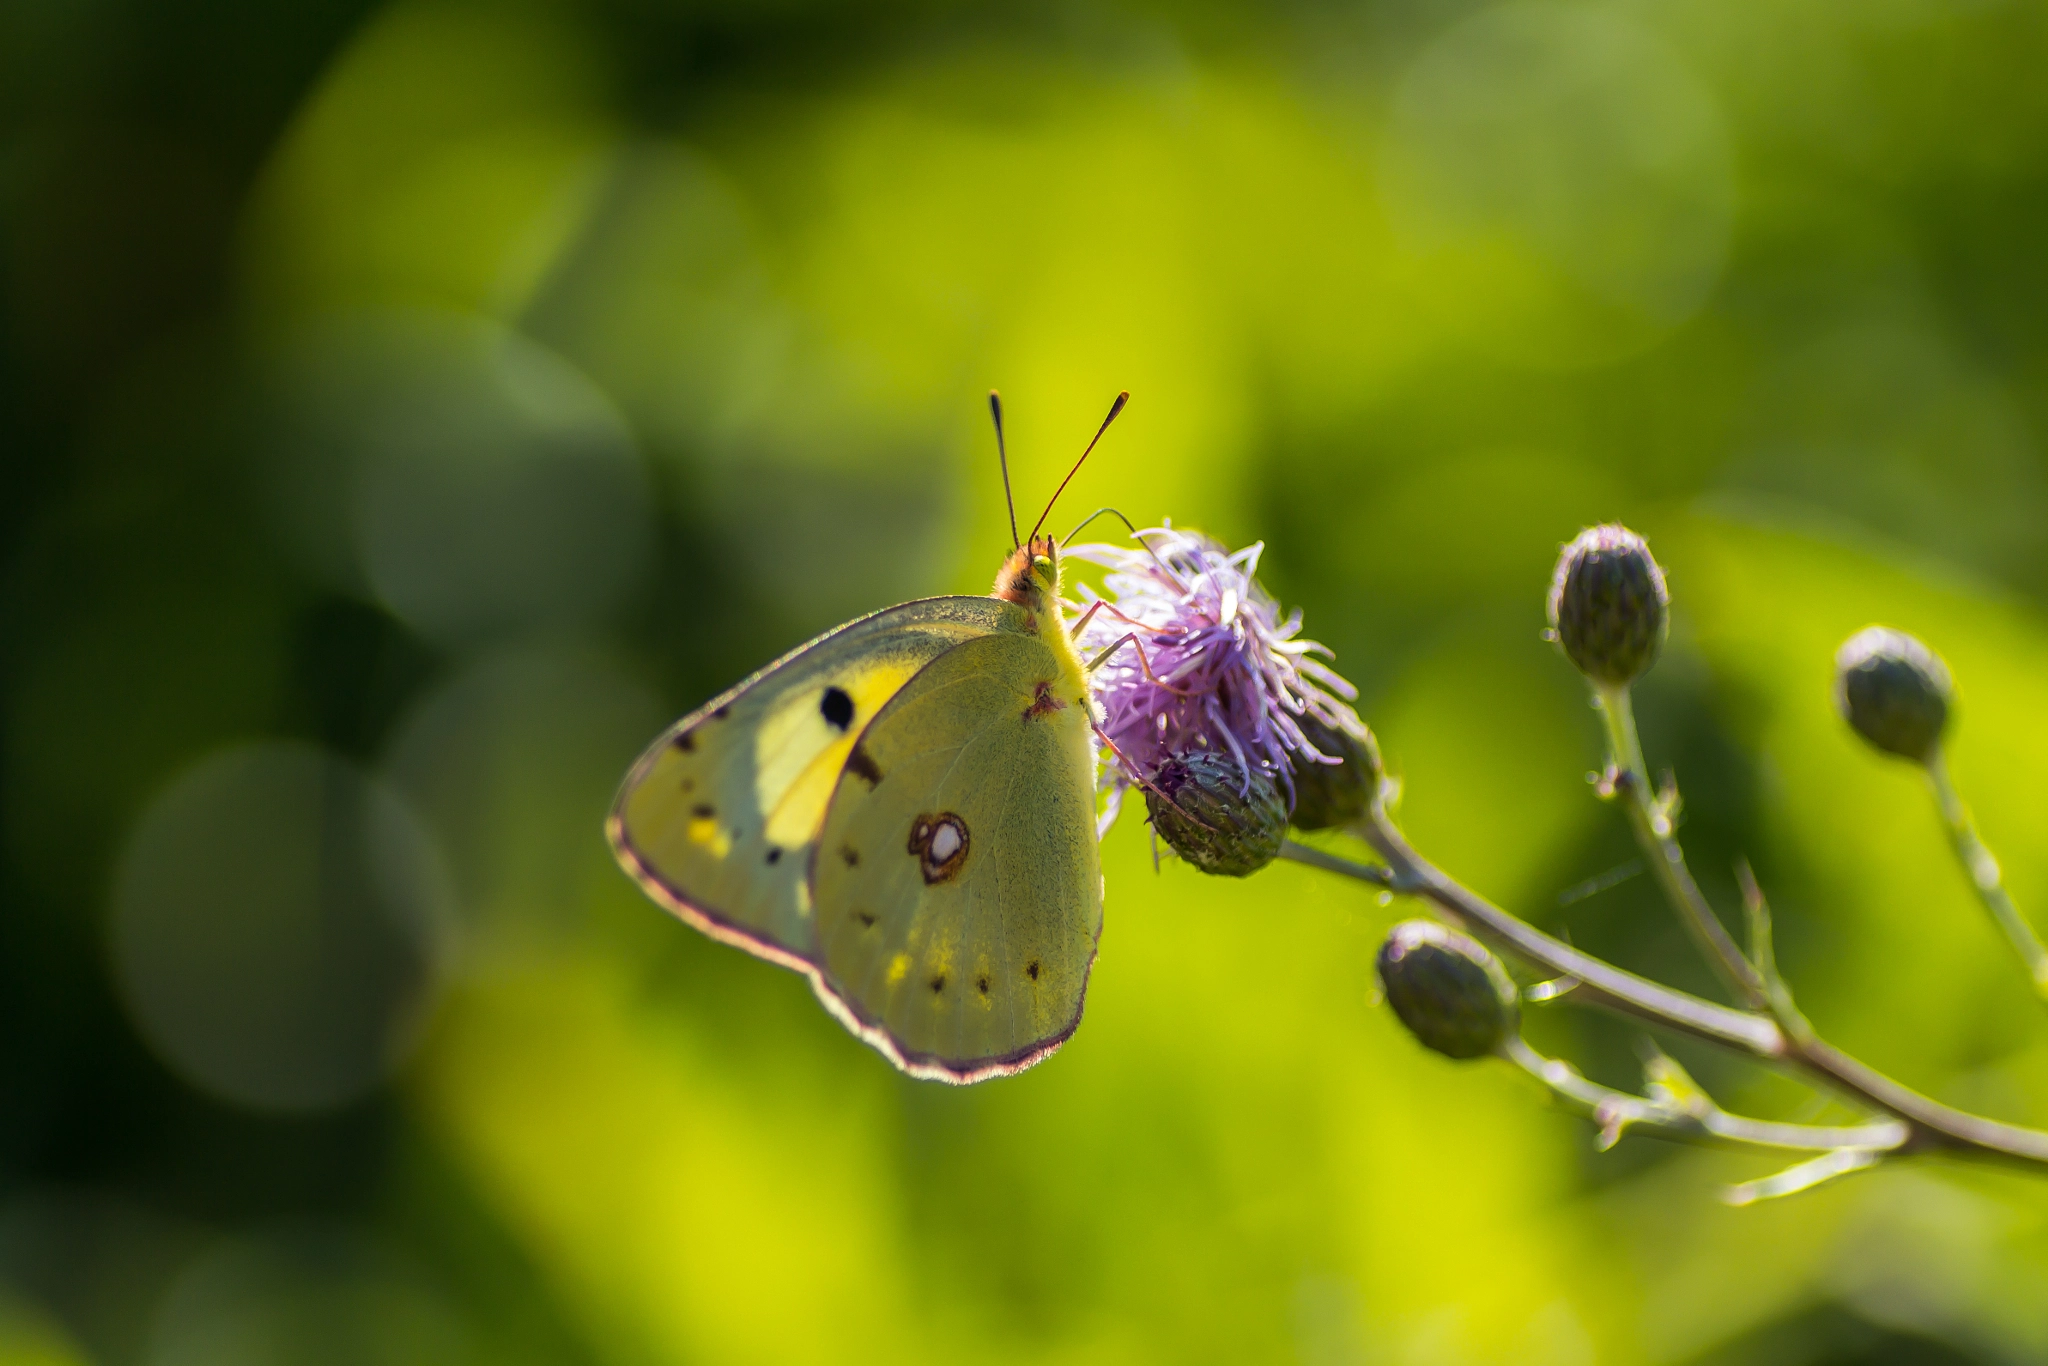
<point x="1651" y="817"/>
<point x="1932" y="1124"/>
<point x="1983" y="871"/>
<point x="1804" y="1177"/>
<point x="1764" y="954"/>
<point x="1599" y="982"/>
<point x="1332" y="863"/>
<point x="1679" y="1110"/>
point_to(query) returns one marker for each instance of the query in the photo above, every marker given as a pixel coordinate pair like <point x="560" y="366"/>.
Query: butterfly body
<point x="903" y="810"/>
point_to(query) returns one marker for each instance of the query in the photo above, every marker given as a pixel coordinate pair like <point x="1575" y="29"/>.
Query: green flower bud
<point x="1608" y="605"/>
<point x="1893" y="691"/>
<point x="1219" y="819"/>
<point x="1451" y="993"/>
<point x="1328" y="796"/>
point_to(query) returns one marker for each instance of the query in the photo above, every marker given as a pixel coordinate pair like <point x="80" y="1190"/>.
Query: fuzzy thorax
<point x="1030" y="577"/>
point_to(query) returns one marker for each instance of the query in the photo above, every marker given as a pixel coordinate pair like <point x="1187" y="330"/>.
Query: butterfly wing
<point x="718" y="819"/>
<point x="958" y="883"/>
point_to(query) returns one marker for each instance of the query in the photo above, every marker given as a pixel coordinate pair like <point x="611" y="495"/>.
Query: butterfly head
<point x="1030" y="577"/>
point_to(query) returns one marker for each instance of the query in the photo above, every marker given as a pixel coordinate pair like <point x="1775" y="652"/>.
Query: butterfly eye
<point x="1043" y="567"/>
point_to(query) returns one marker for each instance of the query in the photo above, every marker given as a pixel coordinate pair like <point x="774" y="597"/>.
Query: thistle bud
<point x="1608" y="605"/>
<point x="1893" y="691"/>
<point x="1327" y="796"/>
<point x="1219" y="817"/>
<point x="1451" y="993"/>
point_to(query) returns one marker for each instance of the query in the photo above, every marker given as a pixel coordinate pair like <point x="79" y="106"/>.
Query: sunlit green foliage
<point x="408" y="409"/>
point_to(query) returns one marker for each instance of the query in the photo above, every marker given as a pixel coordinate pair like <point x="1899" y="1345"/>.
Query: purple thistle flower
<point x="1220" y="668"/>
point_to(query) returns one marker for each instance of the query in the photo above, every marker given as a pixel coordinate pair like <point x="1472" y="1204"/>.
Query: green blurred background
<point x="406" y="409"/>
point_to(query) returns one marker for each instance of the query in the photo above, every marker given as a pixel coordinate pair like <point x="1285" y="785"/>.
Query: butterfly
<point x="903" y="810"/>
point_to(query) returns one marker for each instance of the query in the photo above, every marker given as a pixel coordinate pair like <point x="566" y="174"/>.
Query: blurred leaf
<point x="28" y="1339"/>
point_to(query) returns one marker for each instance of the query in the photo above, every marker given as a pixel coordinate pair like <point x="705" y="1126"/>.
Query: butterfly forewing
<point x="958" y="887"/>
<point x="719" y="818"/>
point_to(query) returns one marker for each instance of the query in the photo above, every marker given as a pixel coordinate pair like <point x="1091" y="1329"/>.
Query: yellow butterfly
<point x="903" y="810"/>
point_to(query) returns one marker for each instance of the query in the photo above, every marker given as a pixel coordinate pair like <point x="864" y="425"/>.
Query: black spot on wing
<point x="939" y="983"/>
<point x="836" y="706"/>
<point x="849" y="855"/>
<point x="702" y="812"/>
<point x="685" y="742"/>
<point x="1032" y="971"/>
<point x="774" y="855"/>
<point x="862" y="765"/>
<point x="981" y="983"/>
<point x="1043" y="703"/>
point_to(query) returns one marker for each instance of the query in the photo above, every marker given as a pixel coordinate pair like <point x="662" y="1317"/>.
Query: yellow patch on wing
<point x="798" y="754"/>
<point x="706" y="831"/>
<point x="898" y="967"/>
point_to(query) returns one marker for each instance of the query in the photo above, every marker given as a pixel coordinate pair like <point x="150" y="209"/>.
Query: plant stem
<point x="1983" y="872"/>
<point x="1931" y="1125"/>
<point x="1699" y="1122"/>
<point x="1804" y="1177"/>
<point x="1651" y="819"/>
<point x="1598" y="981"/>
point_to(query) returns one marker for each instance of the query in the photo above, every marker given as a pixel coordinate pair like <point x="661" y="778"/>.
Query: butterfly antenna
<point x="1114" y="409"/>
<point x="995" y="410"/>
<point x="1101" y="512"/>
<point x="1136" y="535"/>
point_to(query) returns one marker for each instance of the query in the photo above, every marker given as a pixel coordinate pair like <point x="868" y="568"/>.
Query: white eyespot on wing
<point x="958" y="937"/>
<point x="718" y="820"/>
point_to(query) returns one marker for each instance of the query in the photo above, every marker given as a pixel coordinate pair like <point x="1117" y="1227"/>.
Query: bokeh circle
<point x="278" y="925"/>
<point x="471" y="479"/>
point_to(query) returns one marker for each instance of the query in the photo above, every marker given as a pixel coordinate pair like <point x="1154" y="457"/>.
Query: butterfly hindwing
<point x="718" y="819"/>
<point x="958" y="885"/>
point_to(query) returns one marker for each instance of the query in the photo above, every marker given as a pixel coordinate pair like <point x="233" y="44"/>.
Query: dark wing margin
<point x="686" y="825"/>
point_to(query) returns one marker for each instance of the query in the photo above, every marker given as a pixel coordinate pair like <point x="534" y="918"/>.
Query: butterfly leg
<point x="1142" y="781"/>
<point x="1097" y="606"/>
<point x="1130" y="638"/>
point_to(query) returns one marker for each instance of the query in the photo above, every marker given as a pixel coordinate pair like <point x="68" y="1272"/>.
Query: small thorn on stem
<point x="1554" y="989"/>
<point x="1613" y="1120"/>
